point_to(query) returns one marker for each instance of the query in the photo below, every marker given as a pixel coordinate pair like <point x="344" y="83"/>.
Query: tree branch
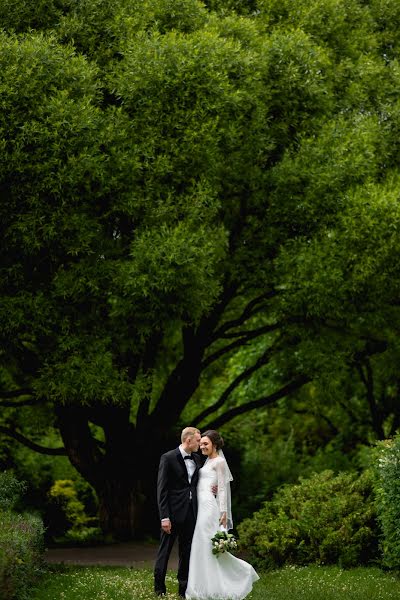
<point x="260" y="362"/>
<point x="375" y="411"/>
<point x="248" y="312"/>
<point x="250" y="335"/>
<point x="184" y="378"/>
<point x="82" y="449"/>
<point x="261" y="402"/>
<point x="32" y="445"/>
<point x="16" y="393"/>
<point x="27" y="402"/>
<point x="349" y="412"/>
<point x="238" y="334"/>
<point x="327" y="420"/>
<point x="149" y="358"/>
<point x="182" y="381"/>
<point x="361" y="374"/>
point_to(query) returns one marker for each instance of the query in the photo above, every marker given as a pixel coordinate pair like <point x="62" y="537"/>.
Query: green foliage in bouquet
<point x="324" y="519"/>
<point x="222" y="542"/>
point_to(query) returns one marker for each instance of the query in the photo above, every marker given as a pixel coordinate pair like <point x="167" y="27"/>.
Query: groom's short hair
<point x="188" y="432"/>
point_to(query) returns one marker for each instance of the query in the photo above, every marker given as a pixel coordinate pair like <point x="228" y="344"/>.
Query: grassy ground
<point x="308" y="583"/>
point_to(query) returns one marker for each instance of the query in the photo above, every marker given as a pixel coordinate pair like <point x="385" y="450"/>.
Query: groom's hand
<point x="214" y="489"/>
<point x="166" y="525"/>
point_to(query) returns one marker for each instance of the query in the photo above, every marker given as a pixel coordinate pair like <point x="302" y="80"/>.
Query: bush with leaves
<point x="82" y="526"/>
<point x="21" y="549"/>
<point x="21" y="543"/>
<point x="388" y="499"/>
<point x="324" y="519"/>
<point x="10" y="490"/>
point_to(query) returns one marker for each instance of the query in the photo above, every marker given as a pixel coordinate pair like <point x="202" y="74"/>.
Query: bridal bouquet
<point x="223" y="542"/>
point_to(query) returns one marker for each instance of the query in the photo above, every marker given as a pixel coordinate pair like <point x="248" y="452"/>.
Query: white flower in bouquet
<point x="223" y="542"/>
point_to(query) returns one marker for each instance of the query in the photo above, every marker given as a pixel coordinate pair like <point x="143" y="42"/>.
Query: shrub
<point x="21" y="543"/>
<point x="81" y="531"/>
<point x="64" y="492"/>
<point x="323" y="519"/>
<point x="388" y="499"/>
<point x="10" y="490"/>
<point x="21" y="550"/>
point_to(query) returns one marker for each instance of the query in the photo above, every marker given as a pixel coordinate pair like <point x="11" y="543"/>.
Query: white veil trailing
<point x="226" y="490"/>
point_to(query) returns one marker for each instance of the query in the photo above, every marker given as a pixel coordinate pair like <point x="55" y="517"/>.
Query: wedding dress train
<point x="215" y="577"/>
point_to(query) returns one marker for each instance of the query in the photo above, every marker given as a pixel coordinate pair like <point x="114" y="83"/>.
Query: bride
<point x="223" y="576"/>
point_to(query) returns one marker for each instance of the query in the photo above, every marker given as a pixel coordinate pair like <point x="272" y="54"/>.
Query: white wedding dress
<point x="215" y="577"/>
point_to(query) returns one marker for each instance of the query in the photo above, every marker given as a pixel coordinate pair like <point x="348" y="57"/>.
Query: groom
<point x="178" y="475"/>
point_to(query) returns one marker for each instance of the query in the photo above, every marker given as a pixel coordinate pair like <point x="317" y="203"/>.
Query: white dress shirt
<point x="189" y="464"/>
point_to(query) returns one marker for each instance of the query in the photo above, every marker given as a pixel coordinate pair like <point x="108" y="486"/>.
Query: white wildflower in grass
<point x="102" y="583"/>
<point x="296" y="583"/>
<point x="328" y="583"/>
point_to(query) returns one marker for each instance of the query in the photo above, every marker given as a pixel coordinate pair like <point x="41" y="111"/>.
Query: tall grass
<point x="305" y="583"/>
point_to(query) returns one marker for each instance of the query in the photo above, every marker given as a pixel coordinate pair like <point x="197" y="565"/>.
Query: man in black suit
<point x="178" y="475"/>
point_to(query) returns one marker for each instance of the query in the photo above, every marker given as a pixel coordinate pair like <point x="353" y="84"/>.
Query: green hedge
<point x="21" y="544"/>
<point x="388" y="499"/>
<point x="324" y="519"/>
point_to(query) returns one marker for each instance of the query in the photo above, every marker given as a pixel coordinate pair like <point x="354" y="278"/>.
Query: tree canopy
<point x="192" y="192"/>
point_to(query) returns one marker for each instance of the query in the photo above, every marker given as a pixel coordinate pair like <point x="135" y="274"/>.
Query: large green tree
<point x="171" y="181"/>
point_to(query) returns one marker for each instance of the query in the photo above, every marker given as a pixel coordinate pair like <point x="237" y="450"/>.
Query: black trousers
<point x="184" y="533"/>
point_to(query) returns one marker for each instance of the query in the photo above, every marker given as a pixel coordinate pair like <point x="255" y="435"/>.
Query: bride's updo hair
<point x="216" y="439"/>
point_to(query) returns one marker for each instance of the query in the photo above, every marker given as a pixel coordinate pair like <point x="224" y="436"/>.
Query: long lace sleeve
<point x="224" y="477"/>
<point x="221" y="477"/>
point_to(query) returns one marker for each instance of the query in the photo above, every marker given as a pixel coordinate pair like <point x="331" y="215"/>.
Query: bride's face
<point x="206" y="446"/>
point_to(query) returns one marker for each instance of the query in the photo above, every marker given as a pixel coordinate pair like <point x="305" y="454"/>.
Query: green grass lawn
<point x="307" y="583"/>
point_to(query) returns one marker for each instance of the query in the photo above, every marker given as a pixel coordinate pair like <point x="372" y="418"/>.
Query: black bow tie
<point x="188" y="457"/>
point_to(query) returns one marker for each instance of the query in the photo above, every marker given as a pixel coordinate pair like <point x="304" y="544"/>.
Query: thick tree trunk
<point x="122" y="470"/>
<point x="124" y="509"/>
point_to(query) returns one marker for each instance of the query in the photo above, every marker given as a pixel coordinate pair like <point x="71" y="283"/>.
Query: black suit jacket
<point x="173" y="487"/>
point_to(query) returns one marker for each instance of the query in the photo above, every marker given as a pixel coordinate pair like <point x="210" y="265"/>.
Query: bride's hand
<point x="222" y="520"/>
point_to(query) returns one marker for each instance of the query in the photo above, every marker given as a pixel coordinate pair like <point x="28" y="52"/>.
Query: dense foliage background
<point x="199" y="224"/>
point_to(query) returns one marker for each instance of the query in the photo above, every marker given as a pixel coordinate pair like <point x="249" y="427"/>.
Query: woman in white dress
<point x="222" y="576"/>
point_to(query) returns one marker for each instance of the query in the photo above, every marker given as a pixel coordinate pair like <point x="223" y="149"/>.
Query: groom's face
<point x="193" y="443"/>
